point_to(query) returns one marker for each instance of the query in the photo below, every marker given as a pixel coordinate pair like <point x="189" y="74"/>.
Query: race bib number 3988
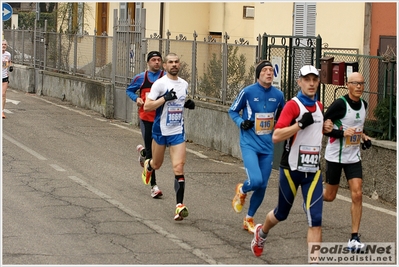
<point x="174" y="116"/>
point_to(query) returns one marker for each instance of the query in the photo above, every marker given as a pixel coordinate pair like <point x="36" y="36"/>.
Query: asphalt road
<point x="72" y="194"/>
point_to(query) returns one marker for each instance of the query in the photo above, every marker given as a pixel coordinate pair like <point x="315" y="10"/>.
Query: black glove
<point x="170" y="95"/>
<point x="247" y="124"/>
<point x="11" y="68"/>
<point x="307" y="119"/>
<point x="366" y="144"/>
<point x="189" y="104"/>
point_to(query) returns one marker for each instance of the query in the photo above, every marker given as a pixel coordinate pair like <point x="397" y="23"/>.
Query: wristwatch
<point x="300" y="125"/>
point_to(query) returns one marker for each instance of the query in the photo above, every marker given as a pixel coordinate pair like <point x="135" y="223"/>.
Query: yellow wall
<point x="185" y="18"/>
<point x="341" y="24"/>
<point x="91" y="20"/>
<point x="201" y="18"/>
<point x="274" y="18"/>
<point x="111" y="7"/>
<point x="230" y="18"/>
<point x="153" y="16"/>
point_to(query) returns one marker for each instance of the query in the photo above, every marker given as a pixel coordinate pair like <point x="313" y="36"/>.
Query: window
<point x="249" y="12"/>
<point x="80" y="20"/>
<point x="76" y="17"/>
<point x="122" y="11"/>
<point x="305" y="19"/>
<point x="215" y="37"/>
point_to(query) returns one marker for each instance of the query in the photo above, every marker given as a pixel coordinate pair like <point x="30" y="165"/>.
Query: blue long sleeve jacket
<point x="251" y="100"/>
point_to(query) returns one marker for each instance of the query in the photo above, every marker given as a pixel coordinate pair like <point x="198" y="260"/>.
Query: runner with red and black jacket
<point x="143" y="82"/>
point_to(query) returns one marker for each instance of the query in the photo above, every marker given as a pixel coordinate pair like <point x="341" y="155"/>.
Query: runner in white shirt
<point x="348" y="114"/>
<point x="168" y="98"/>
<point x="5" y="69"/>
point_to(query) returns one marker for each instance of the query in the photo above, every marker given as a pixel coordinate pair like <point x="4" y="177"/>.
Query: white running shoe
<point x="355" y="244"/>
<point x="141" y="151"/>
<point x="257" y="242"/>
<point x="155" y="192"/>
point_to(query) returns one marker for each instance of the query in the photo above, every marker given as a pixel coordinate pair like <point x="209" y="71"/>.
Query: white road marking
<point x="120" y="126"/>
<point x="57" y="168"/>
<point x="199" y="154"/>
<point x="7" y="111"/>
<point x="30" y="151"/>
<point x="368" y="206"/>
<point x="15" y="102"/>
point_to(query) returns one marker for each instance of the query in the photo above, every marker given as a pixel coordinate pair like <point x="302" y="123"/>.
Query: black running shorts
<point x="334" y="170"/>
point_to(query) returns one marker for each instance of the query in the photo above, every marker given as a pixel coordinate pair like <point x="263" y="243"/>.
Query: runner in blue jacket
<point x="260" y="104"/>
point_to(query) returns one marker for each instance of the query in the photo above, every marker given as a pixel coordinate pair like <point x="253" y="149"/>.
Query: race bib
<point x="264" y="123"/>
<point x="355" y="139"/>
<point x="174" y="116"/>
<point x="308" y="158"/>
<point x="6" y="61"/>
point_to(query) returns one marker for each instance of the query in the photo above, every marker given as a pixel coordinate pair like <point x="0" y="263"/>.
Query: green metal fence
<point x="380" y="92"/>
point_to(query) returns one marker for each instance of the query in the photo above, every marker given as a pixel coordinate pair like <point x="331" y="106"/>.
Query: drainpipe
<point x="161" y="19"/>
<point x="161" y="25"/>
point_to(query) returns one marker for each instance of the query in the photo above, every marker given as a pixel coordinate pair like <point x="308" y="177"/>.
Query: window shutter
<point x="299" y="18"/>
<point x="311" y="19"/>
<point x="305" y="19"/>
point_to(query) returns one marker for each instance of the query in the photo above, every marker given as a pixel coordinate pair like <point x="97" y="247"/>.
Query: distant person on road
<point x="142" y="82"/>
<point x="348" y="114"/>
<point x="259" y="103"/>
<point x="6" y="68"/>
<point x="300" y="126"/>
<point x="168" y="97"/>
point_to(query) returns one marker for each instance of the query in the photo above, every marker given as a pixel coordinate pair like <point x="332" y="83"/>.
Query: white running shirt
<point x="305" y="149"/>
<point x="6" y="60"/>
<point x="347" y="149"/>
<point x="169" y="117"/>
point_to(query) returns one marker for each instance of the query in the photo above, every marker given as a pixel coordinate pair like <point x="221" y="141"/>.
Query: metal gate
<point x="288" y="54"/>
<point x="291" y="53"/>
<point x="128" y="58"/>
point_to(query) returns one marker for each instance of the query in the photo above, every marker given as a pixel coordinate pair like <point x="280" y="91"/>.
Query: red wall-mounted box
<point x="338" y="70"/>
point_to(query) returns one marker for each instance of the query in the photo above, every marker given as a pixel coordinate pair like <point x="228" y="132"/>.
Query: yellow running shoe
<point x="249" y="225"/>
<point x="239" y="199"/>
<point x="181" y="212"/>
<point x="146" y="175"/>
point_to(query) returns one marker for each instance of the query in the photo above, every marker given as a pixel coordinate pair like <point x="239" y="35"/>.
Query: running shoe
<point x="258" y="242"/>
<point x="355" y="244"/>
<point x="239" y="199"/>
<point x="155" y="192"/>
<point x="146" y="175"/>
<point x="181" y="212"/>
<point x="249" y="225"/>
<point x="141" y="151"/>
<point x="4" y="116"/>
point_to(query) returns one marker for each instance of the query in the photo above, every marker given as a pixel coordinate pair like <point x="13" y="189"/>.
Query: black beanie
<point x="261" y="66"/>
<point x="153" y="54"/>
